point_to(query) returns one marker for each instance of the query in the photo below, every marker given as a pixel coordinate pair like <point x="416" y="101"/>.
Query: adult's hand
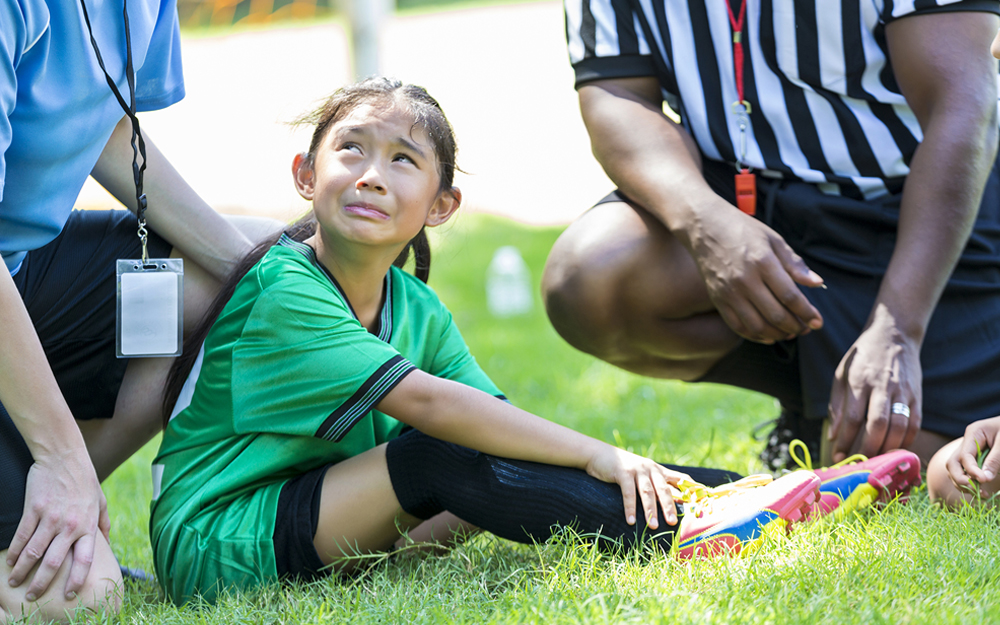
<point x="751" y="275"/>
<point x="749" y="271"/>
<point x="64" y="508"/>
<point x="881" y="369"/>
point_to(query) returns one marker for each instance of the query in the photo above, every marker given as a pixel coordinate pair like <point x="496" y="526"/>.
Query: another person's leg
<point x="619" y="286"/>
<point x="137" y="413"/>
<point x="102" y="587"/>
<point x="101" y="591"/>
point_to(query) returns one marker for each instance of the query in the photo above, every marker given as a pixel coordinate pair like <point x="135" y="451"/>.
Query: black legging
<point x="519" y="500"/>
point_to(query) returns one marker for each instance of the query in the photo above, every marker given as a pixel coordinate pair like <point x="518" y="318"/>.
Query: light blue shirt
<point x="56" y="108"/>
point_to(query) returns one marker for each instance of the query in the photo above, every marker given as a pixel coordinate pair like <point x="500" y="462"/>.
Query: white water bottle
<point x="508" y="284"/>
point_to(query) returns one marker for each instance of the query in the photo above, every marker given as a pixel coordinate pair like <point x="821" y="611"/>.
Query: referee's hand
<point x="751" y="275"/>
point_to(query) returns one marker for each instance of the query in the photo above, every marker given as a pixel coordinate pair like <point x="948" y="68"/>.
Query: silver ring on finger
<point x="901" y="409"/>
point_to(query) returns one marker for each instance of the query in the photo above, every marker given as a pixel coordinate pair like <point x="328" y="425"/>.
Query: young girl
<point x="289" y="450"/>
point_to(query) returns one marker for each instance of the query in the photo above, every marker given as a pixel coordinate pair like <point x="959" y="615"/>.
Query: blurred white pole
<point x="367" y="18"/>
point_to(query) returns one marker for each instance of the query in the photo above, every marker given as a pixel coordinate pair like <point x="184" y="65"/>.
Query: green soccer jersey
<point x="288" y="384"/>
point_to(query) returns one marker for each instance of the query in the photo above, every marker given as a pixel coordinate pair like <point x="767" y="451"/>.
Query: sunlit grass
<point x="906" y="564"/>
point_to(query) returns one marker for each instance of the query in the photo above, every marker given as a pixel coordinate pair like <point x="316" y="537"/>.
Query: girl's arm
<point x="463" y="415"/>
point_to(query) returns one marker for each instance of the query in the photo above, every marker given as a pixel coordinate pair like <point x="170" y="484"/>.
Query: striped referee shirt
<point x="825" y="106"/>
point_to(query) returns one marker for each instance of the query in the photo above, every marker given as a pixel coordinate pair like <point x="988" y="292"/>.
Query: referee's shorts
<point x="849" y="243"/>
<point x="69" y="289"/>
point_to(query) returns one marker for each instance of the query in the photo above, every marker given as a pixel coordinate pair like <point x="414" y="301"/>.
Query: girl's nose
<point x="371" y="179"/>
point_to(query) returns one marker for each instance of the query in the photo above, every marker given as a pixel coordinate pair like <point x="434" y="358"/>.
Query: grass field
<point x="906" y="564"/>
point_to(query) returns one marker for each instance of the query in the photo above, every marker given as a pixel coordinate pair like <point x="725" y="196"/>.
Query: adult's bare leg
<point x="138" y="409"/>
<point x="619" y="286"/>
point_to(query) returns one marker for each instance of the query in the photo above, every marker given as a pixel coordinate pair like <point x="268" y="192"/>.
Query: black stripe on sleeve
<point x="628" y="41"/>
<point x="588" y="31"/>
<point x="605" y="67"/>
<point x="668" y="78"/>
<point x="385" y="378"/>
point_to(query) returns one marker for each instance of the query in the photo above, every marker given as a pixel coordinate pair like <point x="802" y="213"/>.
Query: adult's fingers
<point x="792" y="300"/>
<point x="797" y="271"/>
<point x="876" y="423"/>
<point x="53" y="558"/>
<point x="25" y="530"/>
<point x="83" y="558"/>
<point x="852" y="418"/>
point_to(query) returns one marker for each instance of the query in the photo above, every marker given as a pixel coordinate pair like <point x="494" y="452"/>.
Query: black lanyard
<point x="138" y="145"/>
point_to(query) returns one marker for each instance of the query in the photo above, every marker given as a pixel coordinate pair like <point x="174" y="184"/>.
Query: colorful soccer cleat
<point x="859" y="481"/>
<point x="732" y="518"/>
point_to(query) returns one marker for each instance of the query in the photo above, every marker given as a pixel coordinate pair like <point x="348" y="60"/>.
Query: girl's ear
<point x="302" y="172"/>
<point x="444" y="207"/>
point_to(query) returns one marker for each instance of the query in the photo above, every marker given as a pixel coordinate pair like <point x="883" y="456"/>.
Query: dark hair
<point x="377" y="91"/>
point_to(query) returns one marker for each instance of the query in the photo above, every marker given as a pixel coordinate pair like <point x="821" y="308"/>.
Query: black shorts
<point x="295" y="526"/>
<point x="849" y="242"/>
<point x="69" y="289"/>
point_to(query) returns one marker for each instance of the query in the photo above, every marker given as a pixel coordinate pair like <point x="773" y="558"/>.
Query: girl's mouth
<point x="363" y="209"/>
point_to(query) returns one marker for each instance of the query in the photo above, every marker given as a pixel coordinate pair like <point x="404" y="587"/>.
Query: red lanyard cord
<point x="737" y="24"/>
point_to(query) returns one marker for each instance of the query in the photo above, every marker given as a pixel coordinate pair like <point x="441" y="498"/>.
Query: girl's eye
<point x="402" y="158"/>
<point x="353" y="147"/>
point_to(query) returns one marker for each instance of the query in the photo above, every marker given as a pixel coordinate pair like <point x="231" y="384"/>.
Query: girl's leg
<point x="359" y="512"/>
<point x="102" y="590"/>
<point x="514" y="499"/>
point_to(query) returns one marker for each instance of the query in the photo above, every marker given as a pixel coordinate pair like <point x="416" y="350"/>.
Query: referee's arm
<point x="943" y="67"/>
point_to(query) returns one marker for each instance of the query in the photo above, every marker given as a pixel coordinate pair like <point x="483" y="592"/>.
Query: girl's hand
<point x="964" y="463"/>
<point x="633" y="473"/>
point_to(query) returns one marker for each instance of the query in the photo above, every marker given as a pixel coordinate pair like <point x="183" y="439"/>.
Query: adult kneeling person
<point x="861" y="281"/>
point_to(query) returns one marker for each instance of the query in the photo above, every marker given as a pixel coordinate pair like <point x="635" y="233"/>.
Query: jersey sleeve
<point x="303" y="365"/>
<point x="452" y="360"/>
<point x="606" y="40"/>
<point x="895" y="9"/>
<point x="160" y="81"/>
<point x="21" y="26"/>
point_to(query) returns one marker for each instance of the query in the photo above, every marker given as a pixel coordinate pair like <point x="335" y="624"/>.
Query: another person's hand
<point x="634" y="474"/>
<point x="964" y="463"/>
<point x="881" y="370"/>
<point x="751" y="275"/>
<point x="64" y="508"/>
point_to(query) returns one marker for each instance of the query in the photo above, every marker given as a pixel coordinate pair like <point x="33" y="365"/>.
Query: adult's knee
<point x="102" y="591"/>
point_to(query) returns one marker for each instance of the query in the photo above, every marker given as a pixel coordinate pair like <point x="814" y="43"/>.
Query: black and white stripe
<point x="377" y="386"/>
<point x="833" y="114"/>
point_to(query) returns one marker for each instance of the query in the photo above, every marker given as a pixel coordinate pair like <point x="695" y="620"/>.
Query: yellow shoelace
<point x="699" y="498"/>
<point x="807" y="462"/>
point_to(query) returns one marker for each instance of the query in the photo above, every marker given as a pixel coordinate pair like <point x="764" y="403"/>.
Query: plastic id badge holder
<point x="150" y="308"/>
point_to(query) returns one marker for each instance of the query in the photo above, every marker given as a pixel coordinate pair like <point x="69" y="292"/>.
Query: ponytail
<point x="421" y="256"/>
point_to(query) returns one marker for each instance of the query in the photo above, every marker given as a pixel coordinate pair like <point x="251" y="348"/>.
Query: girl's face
<point x="375" y="179"/>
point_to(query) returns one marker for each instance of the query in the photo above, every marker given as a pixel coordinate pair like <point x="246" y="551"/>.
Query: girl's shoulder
<point x="413" y="289"/>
